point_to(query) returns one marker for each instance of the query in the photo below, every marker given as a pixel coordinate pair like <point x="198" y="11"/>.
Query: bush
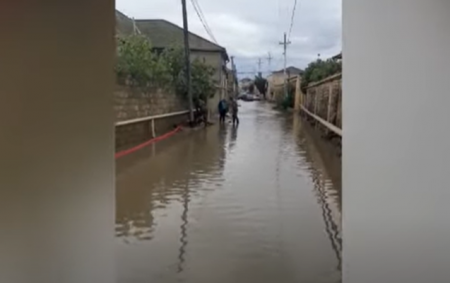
<point x="261" y="84"/>
<point x="203" y="84"/>
<point x="138" y="65"/>
<point x="319" y="70"/>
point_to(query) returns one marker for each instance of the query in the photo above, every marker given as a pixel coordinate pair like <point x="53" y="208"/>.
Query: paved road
<point x="256" y="203"/>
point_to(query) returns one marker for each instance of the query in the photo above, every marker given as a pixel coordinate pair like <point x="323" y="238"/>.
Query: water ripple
<point x="258" y="202"/>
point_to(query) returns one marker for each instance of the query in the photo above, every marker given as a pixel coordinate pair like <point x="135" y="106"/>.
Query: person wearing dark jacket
<point x="223" y="108"/>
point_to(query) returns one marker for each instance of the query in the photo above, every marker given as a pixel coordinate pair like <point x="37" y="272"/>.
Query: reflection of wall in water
<point x="323" y="153"/>
<point x="161" y="179"/>
<point x="323" y="186"/>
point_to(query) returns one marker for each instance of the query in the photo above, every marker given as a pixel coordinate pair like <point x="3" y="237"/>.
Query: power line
<point x="292" y="19"/>
<point x="202" y="18"/>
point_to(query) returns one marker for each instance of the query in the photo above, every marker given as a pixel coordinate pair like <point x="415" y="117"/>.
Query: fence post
<point x="330" y="100"/>
<point x="316" y="103"/>
<point x="153" y="128"/>
<point x="298" y="94"/>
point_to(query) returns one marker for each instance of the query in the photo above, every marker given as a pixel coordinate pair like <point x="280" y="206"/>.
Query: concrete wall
<point x="324" y="99"/>
<point x="131" y="103"/>
<point x="213" y="59"/>
<point x="274" y="80"/>
<point x="276" y="85"/>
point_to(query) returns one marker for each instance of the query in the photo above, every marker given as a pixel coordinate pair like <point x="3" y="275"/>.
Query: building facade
<point x="277" y="79"/>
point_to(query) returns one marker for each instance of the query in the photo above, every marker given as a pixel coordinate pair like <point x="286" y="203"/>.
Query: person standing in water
<point x="222" y="110"/>
<point x="234" y="111"/>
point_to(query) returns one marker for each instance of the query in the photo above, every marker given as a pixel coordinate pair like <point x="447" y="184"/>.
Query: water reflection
<point x="230" y="204"/>
<point x="185" y="222"/>
<point x="233" y="137"/>
<point x="153" y="183"/>
<point x="324" y="167"/>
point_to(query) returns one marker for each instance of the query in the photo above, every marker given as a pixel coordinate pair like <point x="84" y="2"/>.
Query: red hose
<point x="142" y="145"/>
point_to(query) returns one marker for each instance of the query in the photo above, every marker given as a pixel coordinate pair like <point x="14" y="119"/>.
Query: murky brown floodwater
<point x="259" y="203"/>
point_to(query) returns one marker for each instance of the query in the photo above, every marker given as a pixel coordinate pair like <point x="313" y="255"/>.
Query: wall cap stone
<point x="328" y="79"/>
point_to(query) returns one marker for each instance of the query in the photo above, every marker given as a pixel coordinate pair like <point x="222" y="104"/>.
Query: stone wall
<point x="131" y="103"/>
<point x="324" y="99"/>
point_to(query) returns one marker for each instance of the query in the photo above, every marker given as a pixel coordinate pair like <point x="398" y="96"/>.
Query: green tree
<point x="139" y="66"/>
<point x="261" y="84"/>
<point x="251" y="88"/>
<point x="203" y="84"/>
<point x="319" y="70"/>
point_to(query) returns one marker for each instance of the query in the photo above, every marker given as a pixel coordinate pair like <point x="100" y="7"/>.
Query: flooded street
<point x="256" y="203"/>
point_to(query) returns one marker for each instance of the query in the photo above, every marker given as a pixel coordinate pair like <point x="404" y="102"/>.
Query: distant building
<point x="164" y="34"/>
<point x="277" y="78"/>
<point x="244" y="84"/>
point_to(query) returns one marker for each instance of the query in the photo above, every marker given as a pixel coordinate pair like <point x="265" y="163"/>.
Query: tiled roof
<point x="124" y="25"/>
<point x="338" y="56"/>
<point x="291" y="70"/>
<point x="163" y="34"/>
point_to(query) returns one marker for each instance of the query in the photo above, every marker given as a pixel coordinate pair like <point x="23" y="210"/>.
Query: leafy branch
<point x="319" y="70"/>
<point x="138" y="65"/>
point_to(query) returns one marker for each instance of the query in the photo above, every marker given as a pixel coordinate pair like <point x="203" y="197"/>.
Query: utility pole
<point x="285" y="43"/>
<point x="187" y="55"/>
<point x="269" y="60"/>
<point x="233" y="69"/>
<point x="259" y="65"/>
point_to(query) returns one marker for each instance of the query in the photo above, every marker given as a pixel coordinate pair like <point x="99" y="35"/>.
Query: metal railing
<point x="328" y="125"/>
<point x="152" y="119"/>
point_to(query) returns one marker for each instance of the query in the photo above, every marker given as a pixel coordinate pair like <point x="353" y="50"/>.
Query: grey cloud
<point x="250" y="29"/>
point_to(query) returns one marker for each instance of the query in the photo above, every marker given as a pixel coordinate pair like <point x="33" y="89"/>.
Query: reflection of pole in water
<point x="185" y="222"/>
<point x="330" y="226"/>
<point x="278" y="192"/>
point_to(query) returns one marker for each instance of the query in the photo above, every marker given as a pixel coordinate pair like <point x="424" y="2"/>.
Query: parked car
<point x="257" y="97"/>
<point x="248" y="97"/>
<point x="241" y="96"/>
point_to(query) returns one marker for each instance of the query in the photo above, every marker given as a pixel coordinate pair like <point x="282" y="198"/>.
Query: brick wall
<point x="131" y="103"/>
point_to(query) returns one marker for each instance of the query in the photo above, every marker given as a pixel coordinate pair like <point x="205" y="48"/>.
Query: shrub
<point x="319" y="70"/>
<point x="138" y="65"/>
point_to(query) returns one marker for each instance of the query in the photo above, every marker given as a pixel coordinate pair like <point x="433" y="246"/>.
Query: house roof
<point x="338" y="56"/>
<point x="163" y="34"/>
<point x="124" y="25"/>
<point x="291" y="70"/>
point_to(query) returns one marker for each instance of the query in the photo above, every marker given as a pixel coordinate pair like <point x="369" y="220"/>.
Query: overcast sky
<point x="250" y="29"/>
